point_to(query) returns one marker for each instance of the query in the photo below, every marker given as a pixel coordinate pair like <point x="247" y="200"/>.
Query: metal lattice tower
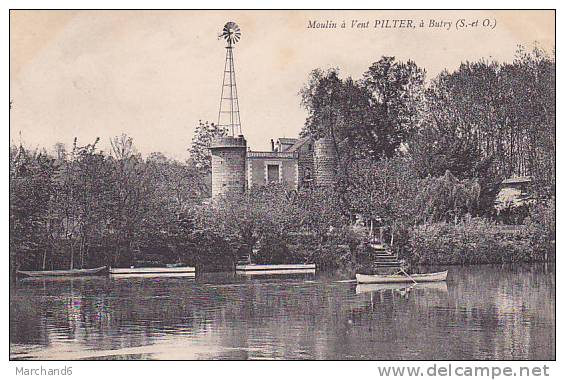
<point x="228" y="115"/>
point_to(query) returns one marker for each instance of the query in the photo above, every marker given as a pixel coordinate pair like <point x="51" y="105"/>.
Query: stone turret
<point x="228" y="165"/>
<point x="325" y="162"/>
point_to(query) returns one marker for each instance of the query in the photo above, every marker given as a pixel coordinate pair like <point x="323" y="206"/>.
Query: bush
<point x="472" y="241"/>
<point x="329" y="255"/>
<point x="540" y="225"/>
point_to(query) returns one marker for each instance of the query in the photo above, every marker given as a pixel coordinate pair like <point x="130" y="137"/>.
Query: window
<point x="307" y="179"/>
<point x="273" y="173"/>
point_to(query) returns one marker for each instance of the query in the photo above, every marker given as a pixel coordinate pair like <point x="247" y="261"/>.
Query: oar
<point x="407" y="275"/>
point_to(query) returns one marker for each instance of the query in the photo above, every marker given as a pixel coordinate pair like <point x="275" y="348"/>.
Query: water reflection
<point x="484" y="312"/>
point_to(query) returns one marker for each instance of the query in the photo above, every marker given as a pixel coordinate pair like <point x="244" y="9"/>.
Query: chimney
<point x="272" y="145"/>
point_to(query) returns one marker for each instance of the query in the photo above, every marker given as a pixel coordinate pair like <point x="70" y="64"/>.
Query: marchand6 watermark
<point x="42" y="371"/>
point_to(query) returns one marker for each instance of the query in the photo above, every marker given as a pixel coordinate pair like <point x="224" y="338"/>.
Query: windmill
<point x="228" y="115"/>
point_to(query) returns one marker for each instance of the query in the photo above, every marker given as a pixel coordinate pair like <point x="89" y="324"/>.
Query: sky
<point x="154" y="74"/>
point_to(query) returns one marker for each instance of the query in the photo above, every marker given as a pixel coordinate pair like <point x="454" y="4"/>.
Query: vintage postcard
<point x="293" y="184"/>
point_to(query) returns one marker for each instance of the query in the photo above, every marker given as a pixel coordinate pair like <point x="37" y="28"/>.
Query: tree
<point x="177" y="188"/>
<point x="446" y="198"/>
<point x="320" y="96"/>
<point x="397" y="93"/>
<point x="199" y="151"/>
<point x="93" y="187"/>
<point x="129" y="199"/>
<point x="491" y="121"/>
<point x="534" y="87"/>
<point x="370" y="117"/>
<point x="384" y="190"/>
<point x="271" y="219"/>
<point x="178" y="184"/>
<point x="244" y="219"/>
<point x="31" y="187"/>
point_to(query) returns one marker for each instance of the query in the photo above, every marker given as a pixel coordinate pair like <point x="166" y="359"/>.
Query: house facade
<point x="294" y="162"/>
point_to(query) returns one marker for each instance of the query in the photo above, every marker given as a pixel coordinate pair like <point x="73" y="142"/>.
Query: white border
<point x="270" y="370"/>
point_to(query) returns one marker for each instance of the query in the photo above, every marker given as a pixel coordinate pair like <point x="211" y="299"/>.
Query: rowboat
<point x="153" y="272"/>
<point x="268" y="269"/>
<point x="274" y="272"/>
<point x="62" y="273"/>
<point x="400" y="278"/>
<point x="63" y="279"/>
<point x="255" y="267"/>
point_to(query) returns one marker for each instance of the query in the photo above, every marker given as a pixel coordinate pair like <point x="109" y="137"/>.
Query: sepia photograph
<point x="369" y="185"/>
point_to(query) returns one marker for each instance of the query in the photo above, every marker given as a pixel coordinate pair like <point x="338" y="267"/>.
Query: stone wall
<point x="228" y="165"/>
<point x="325" y="162"/>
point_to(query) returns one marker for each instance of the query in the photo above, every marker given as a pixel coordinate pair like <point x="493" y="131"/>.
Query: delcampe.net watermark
<point x="449" y="370"/>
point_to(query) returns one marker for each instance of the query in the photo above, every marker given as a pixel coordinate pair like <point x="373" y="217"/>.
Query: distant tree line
<point x="413" y="153"/>
<point x="485" y="121"/>
<point x="83" y="207"/>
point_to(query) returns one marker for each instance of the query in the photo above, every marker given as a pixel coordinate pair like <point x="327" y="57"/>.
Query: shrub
<point x="540" y="225"/>
<point x="472" y="241"/>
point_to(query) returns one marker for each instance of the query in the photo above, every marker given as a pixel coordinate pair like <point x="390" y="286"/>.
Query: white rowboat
<point x="279" y="268"/>
<point x="275" y="271"/>
<point x="153" y="275"/>
<point x="400" y="278"/>
<point x="156" y="271"/>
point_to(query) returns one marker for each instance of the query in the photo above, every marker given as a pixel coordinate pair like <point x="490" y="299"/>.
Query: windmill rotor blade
<point x="231" y="32"/>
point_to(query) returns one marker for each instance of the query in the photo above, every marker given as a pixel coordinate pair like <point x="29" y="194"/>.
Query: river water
<point x="482" y="312"/>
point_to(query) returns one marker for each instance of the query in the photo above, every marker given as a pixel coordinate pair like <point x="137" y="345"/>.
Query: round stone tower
<point x="325" y="162"/>
<point x="228" y="165"/>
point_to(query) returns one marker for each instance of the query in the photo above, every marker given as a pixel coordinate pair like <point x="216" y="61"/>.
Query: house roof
<point x="286" y="140"/>
<point x="514" y="180"/>
<point x="298" y="144"/>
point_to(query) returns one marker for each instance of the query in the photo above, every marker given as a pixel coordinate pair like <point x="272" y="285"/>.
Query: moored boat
<point x="274" y="272"/>
<point x="168" y="271"/>
<point x="275" y="268"/>
<point x="400" y="278"/>
<point x="63" y="272"/>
